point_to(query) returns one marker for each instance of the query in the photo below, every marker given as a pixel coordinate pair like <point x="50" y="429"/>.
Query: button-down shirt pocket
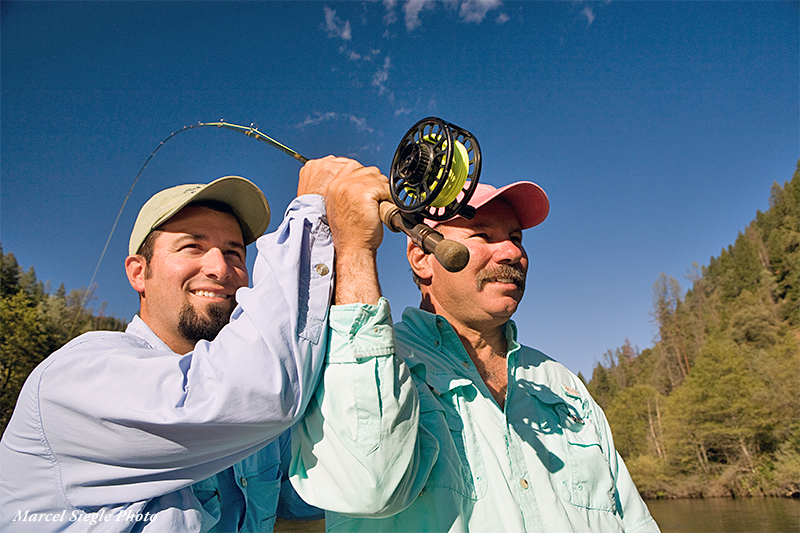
<point x="459" y="466"/>
<point x="585" y="480"/>
<point x="208" y="494"/>
<point x="259" y="477"/>
<point x="446" y="472"/>
<point x="590" y="483"/>
<point x="367" y="408"/>
<point x="465" y="439"/>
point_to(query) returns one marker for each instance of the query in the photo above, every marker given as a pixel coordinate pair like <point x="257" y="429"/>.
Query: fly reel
<point x="435" y="171"/>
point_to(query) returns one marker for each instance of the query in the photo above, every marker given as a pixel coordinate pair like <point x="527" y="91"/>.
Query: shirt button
<point x="243" y="481"/>
<point x="524" y="483"/>
<point x="436" y="343"/>
<point x="466" y="365"/>
<point x="322" y="269"/>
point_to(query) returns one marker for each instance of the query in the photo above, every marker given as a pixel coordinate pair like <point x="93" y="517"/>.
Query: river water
<point x="727" y="515"/>
<point x="713" y="515"/>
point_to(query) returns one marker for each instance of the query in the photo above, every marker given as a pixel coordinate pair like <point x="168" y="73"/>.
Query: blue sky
<point x="656" y="128"/>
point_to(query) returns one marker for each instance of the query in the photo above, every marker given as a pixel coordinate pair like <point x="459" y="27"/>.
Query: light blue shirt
<point x="110" y="432"/>
<point x="253" y="492"/>
<point x="546" y="462"/>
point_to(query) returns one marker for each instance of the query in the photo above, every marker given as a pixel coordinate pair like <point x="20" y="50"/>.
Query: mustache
<point x="514" y="273"/>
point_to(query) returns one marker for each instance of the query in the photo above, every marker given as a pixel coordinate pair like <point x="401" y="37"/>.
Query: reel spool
<point x="435" y="171"/>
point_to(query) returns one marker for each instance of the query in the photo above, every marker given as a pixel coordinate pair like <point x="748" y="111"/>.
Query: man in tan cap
<point x="518" y="442"/>
<point x="180" y="423"/>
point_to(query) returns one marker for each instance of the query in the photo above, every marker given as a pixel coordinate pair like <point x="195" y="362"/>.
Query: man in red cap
<point x="518" y="443"/>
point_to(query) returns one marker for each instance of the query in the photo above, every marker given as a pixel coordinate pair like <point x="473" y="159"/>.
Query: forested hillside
<point x="714" y="407"/>
<point x="34" y="322"/>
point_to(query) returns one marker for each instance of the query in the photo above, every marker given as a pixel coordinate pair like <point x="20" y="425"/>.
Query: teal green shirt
<point x="546" y="462"/>
<point x="359" y="450"/>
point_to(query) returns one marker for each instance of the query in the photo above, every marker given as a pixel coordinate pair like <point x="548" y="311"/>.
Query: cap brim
<point x="529" y="202"/>
<point x="245" y="198"/>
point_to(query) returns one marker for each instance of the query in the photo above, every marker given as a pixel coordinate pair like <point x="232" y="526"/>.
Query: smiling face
<point x="188" y="287"/>
<point x="488" y="290"/>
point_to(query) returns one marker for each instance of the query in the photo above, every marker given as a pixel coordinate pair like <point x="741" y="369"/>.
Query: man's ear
<point x="420" y="262"/>
<point x="135" y="266"/>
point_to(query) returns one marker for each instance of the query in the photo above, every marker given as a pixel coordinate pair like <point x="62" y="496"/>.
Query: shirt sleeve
<point x="127" y="421"/>
<point x="357" y="449"/>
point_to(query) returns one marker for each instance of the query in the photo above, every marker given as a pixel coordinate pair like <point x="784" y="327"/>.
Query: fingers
<point x="352" y="204"/>
<point x="357" y="184"/>
<point x="317" y="174"/>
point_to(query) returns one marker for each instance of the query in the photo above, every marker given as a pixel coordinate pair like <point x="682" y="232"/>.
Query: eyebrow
<point x="200" y="237"/>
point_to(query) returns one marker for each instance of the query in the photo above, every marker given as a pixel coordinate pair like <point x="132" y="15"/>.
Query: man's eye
<point x="234" y="253"/>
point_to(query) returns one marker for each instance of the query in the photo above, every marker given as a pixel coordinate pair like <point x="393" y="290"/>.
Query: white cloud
<point x="475" y="10"/>
<point x="502" y="18"/>
<point x="468" y="10"/>
<point x="589" y="14"/>
<point x="319" y="118"/>
<point x="391" y="16"/>
<point x="360" y="123"/>
<point x="411" y="9"/>
<point x="335" y="26"/>
<point x="379" y="78"/>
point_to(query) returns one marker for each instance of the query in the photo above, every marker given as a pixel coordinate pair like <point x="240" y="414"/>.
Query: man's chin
<point x="204" y="323"/>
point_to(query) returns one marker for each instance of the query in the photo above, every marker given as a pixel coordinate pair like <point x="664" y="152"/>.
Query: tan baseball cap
<point x="243" y="196"/>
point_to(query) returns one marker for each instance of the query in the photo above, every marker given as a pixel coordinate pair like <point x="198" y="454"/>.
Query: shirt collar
<point x="444" y="364"/>
<point x="139" y="328"/>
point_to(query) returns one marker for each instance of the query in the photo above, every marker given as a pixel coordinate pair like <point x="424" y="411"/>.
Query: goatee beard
<point x="195" y="327"/>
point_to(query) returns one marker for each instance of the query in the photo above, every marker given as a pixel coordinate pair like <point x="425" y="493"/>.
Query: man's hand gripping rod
<point x="452" y="255"/>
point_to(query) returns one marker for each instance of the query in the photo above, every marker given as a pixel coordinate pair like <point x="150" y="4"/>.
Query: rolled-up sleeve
<point x="356" y="451"/>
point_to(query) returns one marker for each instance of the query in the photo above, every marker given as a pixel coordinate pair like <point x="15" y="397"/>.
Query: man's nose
<point x="215" y="266"/>
<point x="509" y="252"/>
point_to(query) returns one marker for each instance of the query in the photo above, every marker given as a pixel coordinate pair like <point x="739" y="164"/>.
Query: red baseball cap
<point x="528" y="201"/>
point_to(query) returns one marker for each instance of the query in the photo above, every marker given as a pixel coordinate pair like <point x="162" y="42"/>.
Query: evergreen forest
<point x="713" y="408"/>
<point x="34" y="322"/>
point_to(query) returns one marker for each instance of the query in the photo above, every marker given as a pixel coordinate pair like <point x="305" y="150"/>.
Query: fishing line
<point x="250" y="131"/>
<point x="434" y="173"/>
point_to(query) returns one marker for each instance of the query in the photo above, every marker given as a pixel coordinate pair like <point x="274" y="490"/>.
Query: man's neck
<point x="487" y="348"/>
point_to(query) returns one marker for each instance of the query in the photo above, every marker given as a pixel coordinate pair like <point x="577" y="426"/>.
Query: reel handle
<point x="452" y="255"/>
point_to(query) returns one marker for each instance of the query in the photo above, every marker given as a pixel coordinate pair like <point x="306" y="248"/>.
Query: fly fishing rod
<point x="434" y="173"/>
